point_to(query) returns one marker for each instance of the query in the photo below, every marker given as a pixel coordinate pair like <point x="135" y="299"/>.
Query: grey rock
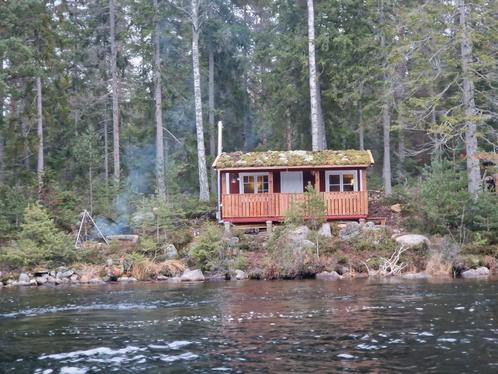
<point x="233" y="241"/>
<point x="170" y="251"/>
<point x="218" y="277"/>
<point x="109" y="262"/>
<point x="421" y="275"/>
<point x="350" y="231"/>
<point x="240" y="275"/>
<point x="161" y="277"/>
<point x="298" y="234"/>
<point x="325" y="275"/>
<point x="174" y="279"/>
<point x="74" y="278"/>
<point x="1" y="284"/>
<point x="67" y="273"/>
<point x="33" y="282"/>
<point x="126" y="279"/>
<point x="24" y="277"/>
<point x="42" y="279"/>
<point x="10" y="281"/>
<point x="51" y="280"/>
<point x="341" y="270"/>
<point x="96" y="280"/>
<point x="192" y="276"/>
<point x="23" y="284"/>
<point x="412" y="240"/>
<point x="476" y="273"/>
<point x="325" y="230"/>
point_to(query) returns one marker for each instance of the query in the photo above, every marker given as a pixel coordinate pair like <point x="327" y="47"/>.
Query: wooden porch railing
<point x="274" y="205"/>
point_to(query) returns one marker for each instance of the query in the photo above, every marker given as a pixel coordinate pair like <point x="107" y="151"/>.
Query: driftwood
<point x="130" y="238"/>
<point x="390" y="266"/>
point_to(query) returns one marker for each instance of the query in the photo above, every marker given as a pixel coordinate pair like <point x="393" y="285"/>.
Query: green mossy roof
<point x="292" y="158"/>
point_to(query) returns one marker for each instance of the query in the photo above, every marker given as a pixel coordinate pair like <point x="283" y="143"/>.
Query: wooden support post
<point x="317" y="180"/>
<point x="228" y="228"/>
<point x="269" y="227"/>
<point x="270" y="182"/>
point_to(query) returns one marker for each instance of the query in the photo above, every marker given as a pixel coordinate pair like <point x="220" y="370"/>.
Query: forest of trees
<point x="98" y="97"/>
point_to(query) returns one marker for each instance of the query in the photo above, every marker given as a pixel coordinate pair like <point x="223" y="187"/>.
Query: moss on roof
<point x="292" y="158"/>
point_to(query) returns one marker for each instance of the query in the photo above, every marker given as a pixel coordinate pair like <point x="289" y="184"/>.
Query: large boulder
<point x="170" y="251"/>
<point x="192" y="276"/>
<point x="412" y="240"/>
<point x="42" y="279"/>
<point x="325" y="230"/>
<point x="325" y="275"/>
<point x="24" y="278"/>
<point x="240" y="275"/>
<point x="298" y="234"/>
<point x="476" y="273"/>
<point x="350" y="231"/>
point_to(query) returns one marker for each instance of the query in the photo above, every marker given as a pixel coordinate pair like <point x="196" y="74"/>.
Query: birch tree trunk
<point x="161" y="187"/>
<point x="115" y="94"/>
<point x="2" y="130"/>
<point x="361" y="130"/>
<point x="106" y="150"/>
<point x="386" y="112"/>
<point x="201" y="152"/>
<point x="473" y="172"/>
<point x="316" y="142"/>
<point x="212" y="134"/>
<point x="40" y="166"/>
<point x="321" y="123"/>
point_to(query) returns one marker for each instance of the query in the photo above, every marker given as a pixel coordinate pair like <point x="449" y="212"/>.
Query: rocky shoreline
<point x="73" y="277"/>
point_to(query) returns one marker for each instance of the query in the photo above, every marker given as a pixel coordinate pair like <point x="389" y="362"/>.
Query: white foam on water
<point x="73" y="370"/>
<point x="367" y="347"/>
<point x="345" y="356"/>
<point x="425" y="333"/>
<point x="184" y="356"/>
<point x="177" y="344"/>
<point x="448" y="340"/>
<point x="92" y="352"/>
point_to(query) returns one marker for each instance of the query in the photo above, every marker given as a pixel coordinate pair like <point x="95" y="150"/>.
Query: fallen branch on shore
<point x="389" y="267"/>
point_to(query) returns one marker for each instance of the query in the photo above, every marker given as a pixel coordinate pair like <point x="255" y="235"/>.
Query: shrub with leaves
<point x="39" y="242"/>
<point x="208" y="247"/>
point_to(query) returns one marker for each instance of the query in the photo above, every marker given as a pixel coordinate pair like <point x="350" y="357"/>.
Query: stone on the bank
<point x="125" y="279"/>
<point x="24" y="278"/>
<point x="170" y="252"/>
<point x="298" y="234"/>
<point x="74" y="278"/>
<point x="51" y="280"/>
<point x="161" y="277"/>
<point x="174" y="279"/>
<point x="325" y="275"/>
<point x="240" y="275"/>
<point x="325" y="230"/>
<point x="412" y="240"/>
<point x="396" y="208"/>
<point x="350" y="231"/>
<point x="85" y="278"/>
<point x="1" y="284"/>
<point x="33" y="282"/>
<point x="42" y="279"/>
<point x="476" y="273"/>
<point x="421" y="275"/>
<point x="96" y="280"/>
<point x="67" y="273"/>
<point x="192" y="276"/>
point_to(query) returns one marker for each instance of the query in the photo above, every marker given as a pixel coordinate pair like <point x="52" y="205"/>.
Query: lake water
<point x="252" y="326"/>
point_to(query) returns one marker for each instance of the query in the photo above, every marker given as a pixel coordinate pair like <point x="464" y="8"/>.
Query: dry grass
<point x="148" y="269"/>
<point x="437" y="266"/>
<point x="91" y="271"/>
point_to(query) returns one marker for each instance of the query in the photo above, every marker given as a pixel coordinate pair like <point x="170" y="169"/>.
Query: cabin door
<point x="291" y="182"/>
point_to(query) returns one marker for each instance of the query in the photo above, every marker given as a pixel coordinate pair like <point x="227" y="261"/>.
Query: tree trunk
<point x="386" y="112"/>
<point x="212" y="130"/>
<point x="361" y="130"/>
<point x="106" y="150"/>
<point x="115" y="94"/>
<point x="40" y="161"/>
<point x="473" y="172"/>
<point x="2" y="130"/>
<point x="321" y="123"/>
<point x="161" y="187"/>
<point x="201" y="152"/>
<point x="316" y="142"/>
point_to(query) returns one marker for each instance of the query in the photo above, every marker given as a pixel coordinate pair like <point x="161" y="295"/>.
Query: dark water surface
<point x="252" y="326"/>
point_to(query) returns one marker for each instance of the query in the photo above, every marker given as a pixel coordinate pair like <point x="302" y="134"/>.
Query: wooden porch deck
<point x="272" y="206"/>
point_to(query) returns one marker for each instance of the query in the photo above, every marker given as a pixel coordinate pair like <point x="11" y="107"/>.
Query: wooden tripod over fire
<point x="84" y="217"/>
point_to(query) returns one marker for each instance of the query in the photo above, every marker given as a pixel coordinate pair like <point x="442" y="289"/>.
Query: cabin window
<point x="341" y="181"/>
<point x="254" y="182"/>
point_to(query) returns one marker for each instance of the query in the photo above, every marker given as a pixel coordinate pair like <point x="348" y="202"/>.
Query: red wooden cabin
<point x="261" y="186"/>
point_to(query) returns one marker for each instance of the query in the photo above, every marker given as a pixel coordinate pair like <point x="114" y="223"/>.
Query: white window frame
<point x="341" y="173"/>
<point x="241" y="180"/>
